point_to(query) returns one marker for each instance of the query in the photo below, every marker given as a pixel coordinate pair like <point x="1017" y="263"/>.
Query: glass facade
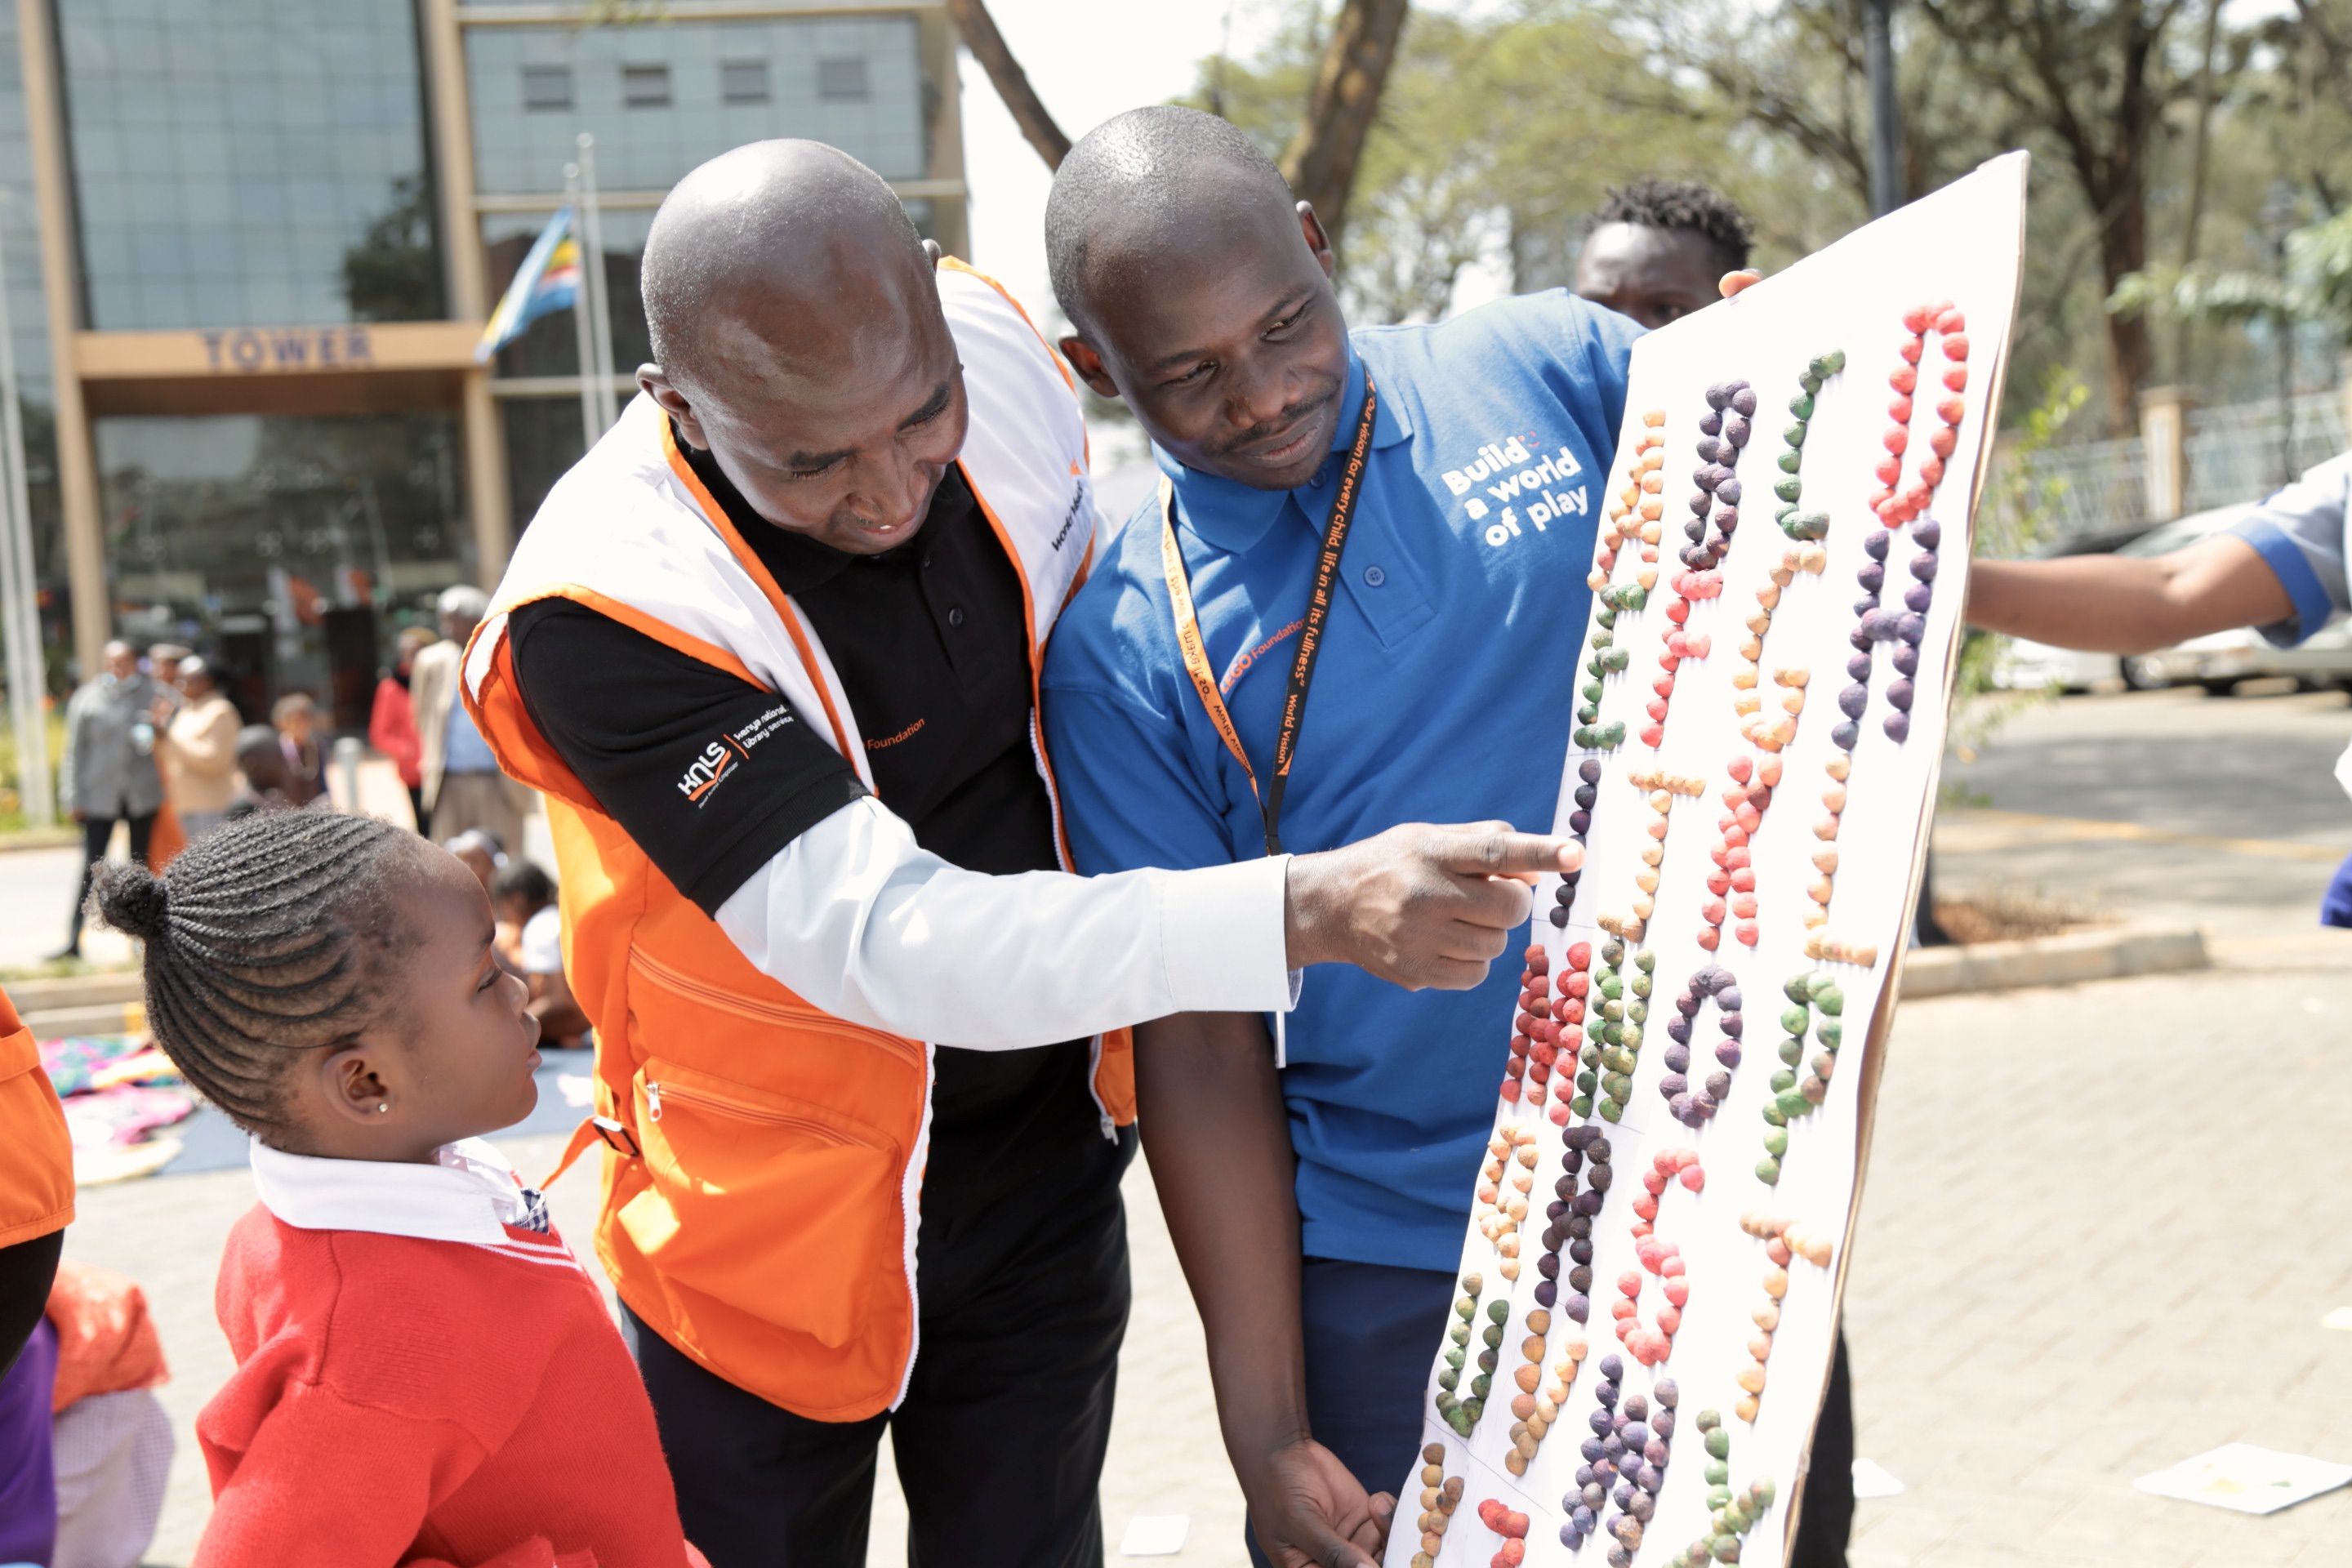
<point x="544" y="439"/>
<point x="662" y="96"/>
<point x="249" y="162"/>
<point x="294" y="547"/>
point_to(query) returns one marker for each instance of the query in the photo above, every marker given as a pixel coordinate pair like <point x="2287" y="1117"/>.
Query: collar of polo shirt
<point x="1231" y="516"/>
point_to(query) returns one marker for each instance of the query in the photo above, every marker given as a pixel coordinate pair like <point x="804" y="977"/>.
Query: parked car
<point x="2217" y="662"/>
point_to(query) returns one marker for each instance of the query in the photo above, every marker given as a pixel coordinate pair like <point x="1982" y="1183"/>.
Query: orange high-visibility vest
<point x="36" y="1180"/>
<point x="763" y="1160"/>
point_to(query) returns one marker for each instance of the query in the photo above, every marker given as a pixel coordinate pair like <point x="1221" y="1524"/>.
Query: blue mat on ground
<point x="211" y="1141"/>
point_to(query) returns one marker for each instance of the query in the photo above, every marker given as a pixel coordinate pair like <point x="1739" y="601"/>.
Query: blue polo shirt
<point x="1442" y="694"/>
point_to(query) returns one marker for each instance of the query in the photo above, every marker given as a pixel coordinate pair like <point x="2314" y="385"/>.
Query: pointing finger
<point x="1504" y="853"/>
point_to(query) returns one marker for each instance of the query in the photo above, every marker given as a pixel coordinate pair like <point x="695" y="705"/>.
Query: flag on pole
<point x="549" y="280"/>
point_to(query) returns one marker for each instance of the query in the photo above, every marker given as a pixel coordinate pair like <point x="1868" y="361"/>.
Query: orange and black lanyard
<point x="1310" y="634"/>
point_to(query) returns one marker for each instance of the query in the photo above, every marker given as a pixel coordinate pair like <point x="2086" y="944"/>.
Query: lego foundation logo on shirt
<point x="1517" y="478"/>
<point x="725" y="756"/>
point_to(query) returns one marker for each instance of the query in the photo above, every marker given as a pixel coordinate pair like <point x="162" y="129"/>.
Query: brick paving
<point x="2101" y="1228"/>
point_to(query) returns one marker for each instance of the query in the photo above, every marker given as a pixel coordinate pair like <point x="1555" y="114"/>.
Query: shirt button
<point x="955" y="616"/>
<point x="1374" y="577"/>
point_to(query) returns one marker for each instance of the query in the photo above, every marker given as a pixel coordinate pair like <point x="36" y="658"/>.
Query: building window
<point x="239" y="188"/>
<point x="842" y="80"/>
<point x="744" y="81"/>
<point x="645" y="87"/>
<point x="547" y="86"/>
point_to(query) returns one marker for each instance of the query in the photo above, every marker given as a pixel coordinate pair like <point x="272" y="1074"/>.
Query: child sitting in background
<point x="530" y="935"/>
<point x="414" y="1345"/>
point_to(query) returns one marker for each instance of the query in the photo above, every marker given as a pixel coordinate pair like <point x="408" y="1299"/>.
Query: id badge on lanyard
<point x="1302" y="668"/>
<point x="1310" y="634"/>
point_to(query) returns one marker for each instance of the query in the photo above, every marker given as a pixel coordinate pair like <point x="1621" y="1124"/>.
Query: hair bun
<point x="134" y="901"/>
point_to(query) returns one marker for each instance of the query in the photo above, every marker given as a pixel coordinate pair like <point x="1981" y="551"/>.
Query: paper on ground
<point x="2240" y="1477"/>
<point x="1155" y="1535"/>
<point x="1873" y="1480"/>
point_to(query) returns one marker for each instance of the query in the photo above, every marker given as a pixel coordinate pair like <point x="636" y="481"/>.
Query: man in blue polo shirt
<point x="1472" y="456"/>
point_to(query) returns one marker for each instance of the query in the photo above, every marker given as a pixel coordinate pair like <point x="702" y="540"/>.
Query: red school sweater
<point x="407" y="1401"/>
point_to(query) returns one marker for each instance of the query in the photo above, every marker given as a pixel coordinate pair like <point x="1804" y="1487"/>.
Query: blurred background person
<point x="392" y="723"/>
<point x="1659" y="248"/>
<point x="110" y="1440"/>
<point x="297" y="717"/>
<point x="200" y="750"/>
<point x="262" y="778"/>
<point x="484" y="856"/>
<point x="164" y="661"/>
<point x="523" y="898"/>
<point x="169" y="836"/>
<point x="462" y="783"/>
<point x="108" y="773"/>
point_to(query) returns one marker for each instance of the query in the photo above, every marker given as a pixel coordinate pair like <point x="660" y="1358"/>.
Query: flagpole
<point x="20" y="626"/>
<point x="591" y="240"/>
<point x="582" y="311"/>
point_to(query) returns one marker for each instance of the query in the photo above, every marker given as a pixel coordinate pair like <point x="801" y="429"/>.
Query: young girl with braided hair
<point x="426" y="1376"/>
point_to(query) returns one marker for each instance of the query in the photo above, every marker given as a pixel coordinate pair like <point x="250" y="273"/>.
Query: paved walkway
<point x="2101" y="1228"/>
<point x="2163" y="805"/>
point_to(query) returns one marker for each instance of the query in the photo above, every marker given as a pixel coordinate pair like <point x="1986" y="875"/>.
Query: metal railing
<point x="2238" y="452"/>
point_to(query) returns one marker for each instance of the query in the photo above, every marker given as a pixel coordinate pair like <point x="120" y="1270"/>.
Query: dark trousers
<point x="96" y="831"/>
<point x="1373" y="1333"/>
<point x="998" y="1441"/>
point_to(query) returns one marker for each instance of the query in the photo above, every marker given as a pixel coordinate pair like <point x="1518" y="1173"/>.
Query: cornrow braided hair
<point x="265" y="939"/>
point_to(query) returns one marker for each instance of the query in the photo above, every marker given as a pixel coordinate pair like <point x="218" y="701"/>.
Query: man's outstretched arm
<point x="2121" y="604"/>
<point x="1219" y="1143"/>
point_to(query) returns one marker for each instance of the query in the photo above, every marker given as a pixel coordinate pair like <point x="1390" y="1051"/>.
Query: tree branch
<point x="1012" y="84"/>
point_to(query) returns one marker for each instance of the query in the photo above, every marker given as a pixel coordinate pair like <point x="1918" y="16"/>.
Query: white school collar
<point x="470" y="1194"/>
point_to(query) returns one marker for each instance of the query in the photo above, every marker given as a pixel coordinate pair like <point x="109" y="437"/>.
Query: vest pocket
<point x="782" y="1209"/>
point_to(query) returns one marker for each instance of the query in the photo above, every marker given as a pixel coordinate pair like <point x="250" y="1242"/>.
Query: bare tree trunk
<point x="2131" y="353"/>
<point x="1012" y="84"/>
<point x="1320" y="162"/>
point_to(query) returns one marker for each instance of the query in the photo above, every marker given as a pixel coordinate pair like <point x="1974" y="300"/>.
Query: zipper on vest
<point x="763" y="1011"/>
<point x="687" y="1095"/>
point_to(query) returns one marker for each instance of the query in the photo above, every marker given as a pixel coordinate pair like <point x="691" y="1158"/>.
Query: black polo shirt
<point x="930" y="640"/>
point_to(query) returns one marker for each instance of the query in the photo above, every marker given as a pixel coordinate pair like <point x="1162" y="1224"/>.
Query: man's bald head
<point x="1140" y="184"/>
<point x="1202" y="294"/>
<point x="798" y="338"/>
<point x="775" y="223"/>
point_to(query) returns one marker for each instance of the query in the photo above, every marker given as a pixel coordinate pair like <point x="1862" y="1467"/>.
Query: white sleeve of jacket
<point x="856" y="918"/>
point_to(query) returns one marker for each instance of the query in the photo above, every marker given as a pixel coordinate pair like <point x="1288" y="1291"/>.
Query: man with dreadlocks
<point x="771" y="652"/>
<point x="426" y="1375"/>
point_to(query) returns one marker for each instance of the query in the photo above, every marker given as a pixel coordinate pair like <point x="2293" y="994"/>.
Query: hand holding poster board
<point x="1650" y="1279"/>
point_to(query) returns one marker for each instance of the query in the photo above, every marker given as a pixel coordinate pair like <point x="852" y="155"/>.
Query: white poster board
<point x="1802" y="661"/>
